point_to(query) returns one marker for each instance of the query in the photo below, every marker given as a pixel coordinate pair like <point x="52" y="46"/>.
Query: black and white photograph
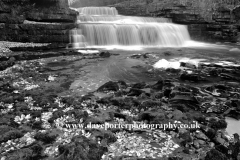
<point x="119" y="79"/>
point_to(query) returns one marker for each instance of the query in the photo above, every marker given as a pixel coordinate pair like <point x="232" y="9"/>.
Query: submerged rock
<point x="234" y="50"/>
<point x="109" y="86"/>
<point x="105" y="54"/>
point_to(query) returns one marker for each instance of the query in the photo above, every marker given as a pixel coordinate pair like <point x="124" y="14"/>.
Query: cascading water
<point x="102" y="27"/>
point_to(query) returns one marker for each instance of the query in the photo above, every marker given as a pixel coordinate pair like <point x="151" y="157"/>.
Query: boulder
<point x="109" y="86"/>
<point x="215" y="155"/>
<point x="81" y="148"/>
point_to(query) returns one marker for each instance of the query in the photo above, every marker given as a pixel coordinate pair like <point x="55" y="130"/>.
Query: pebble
<point x="6" y="45"/>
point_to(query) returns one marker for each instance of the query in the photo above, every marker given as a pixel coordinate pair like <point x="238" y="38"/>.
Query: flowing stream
<point x="101" y="27"/>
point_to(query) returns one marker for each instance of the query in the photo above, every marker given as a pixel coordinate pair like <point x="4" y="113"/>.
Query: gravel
<point x="6" y="45"/>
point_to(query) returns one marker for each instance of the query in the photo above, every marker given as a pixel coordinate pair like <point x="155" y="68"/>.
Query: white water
<point x="102" y="27"/>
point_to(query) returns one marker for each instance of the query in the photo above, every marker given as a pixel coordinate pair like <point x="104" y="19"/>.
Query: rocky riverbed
<point x="49" y="98"/>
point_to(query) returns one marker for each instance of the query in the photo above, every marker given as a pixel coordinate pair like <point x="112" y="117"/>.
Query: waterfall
<point x="103" y="27"/>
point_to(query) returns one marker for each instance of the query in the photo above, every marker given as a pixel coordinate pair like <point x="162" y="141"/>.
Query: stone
<point x="167" y="53"/>
<point x="109" y="86"/>
<point x="47" y="138"/>
<point x="177" y="115"/>
<point x="189" y="151"/>
<point x="8" y="134"/>
<point x="103" y="134"/>
<point x="140" y="85"/>
<point x="201" y="135"/>
<point x="152" y="116"/>
<point x="32" y="152"/>
<point x="215" y="155"/>
<point x="185" y="138"/>
<point x="105" y="54"/>
<point x="211" y="144"/>
<point x="159" y="85"/>
<point x="201" y="142"/>
<point x="196" y="144"/>
<point x="190" y="77"/>
<point x="135" y="92"/>
<point x="188" y="65"/>
<point x="29" y="22"/>
<point x="217" y="124"/>
<point x="81" y="148"/>
<point x="234" y="50"/>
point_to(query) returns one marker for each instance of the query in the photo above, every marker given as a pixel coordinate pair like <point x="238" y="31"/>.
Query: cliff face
<point x="36" y="21"/>
<point x="204" y="23"/>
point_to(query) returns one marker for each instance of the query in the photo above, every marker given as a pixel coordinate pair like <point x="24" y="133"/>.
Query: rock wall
<point x="222" y="26"/>
<point x="45" y="21"/>
<point x="38" y="33"/>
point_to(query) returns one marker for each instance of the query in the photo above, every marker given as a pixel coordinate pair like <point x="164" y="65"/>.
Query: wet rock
<point x="191" y="77"/>
<point x="217" y="123"/>
<point x="104" y="135"/>
<point x="167" y="92"/>
<point x="187" y="65"/>
<point x="152" y="116"/>
<point x="56" y="115"/>
<point x="201" y="135"/>
<point x="185" y="138"/>
<point x="189" y="151"/>
<point x="81" y="148"/>
<point x="220" y="138"/>
<point x="105" y="54"/>
<point x="210" y="133"/>
<point x="150" y="104"/>
<point x="167" y="53"/>
<point x="175" y="158"/>
<point x="188" y="100"/>
<point x="137" y="56"/>
<point x="78" y="114"/>
<point x="124" y="102"/>
<point x="109" y="86"/>
<point x="37" y="125"/>
<point x="201" y="142"/>
<point x="173" y="70"/>
<point x="139" y="85"/>
<point x="181" y="107"/>
<point x="211" y="144"/>
<point x="32" y="152"/>
<point x="135" y="92"/>
<point x="232" y="112"/>
<point x="232" y="84"/>
<point x="159" y="85"/>
<point x="46" y="137"/>
<point x="234" y="147"/>
<point x="215" y="155"/>
<point x="157" y="95"/>
<point x="234" y="50"/>
<point x="177" y="115"/>
<point x="100" y="117"/>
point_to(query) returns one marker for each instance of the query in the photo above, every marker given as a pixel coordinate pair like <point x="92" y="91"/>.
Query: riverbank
<point x="5" y="46"/>
<point x="42" y="99"/>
